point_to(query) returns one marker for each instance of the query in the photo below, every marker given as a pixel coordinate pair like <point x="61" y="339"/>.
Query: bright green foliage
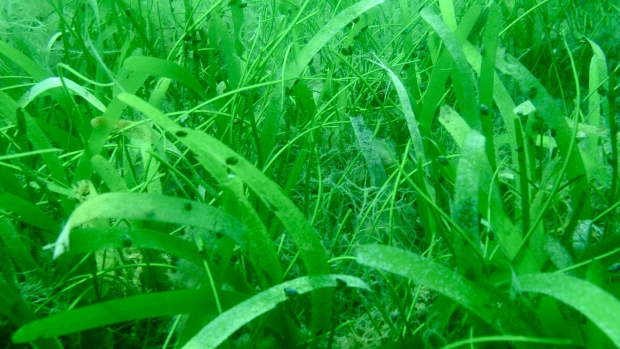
<point x="309" y="174"/>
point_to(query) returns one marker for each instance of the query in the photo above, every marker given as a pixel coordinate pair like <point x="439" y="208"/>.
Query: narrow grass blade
<point x="303" y="235"/>
<point x="51" y="83"/>
<point x="373" y="161"/>
<point x="120" y="310"/>
<point x="322" y="37"/>
<point x="489" y="305"/>
<point x="161" y="67"/>
<point x="486" y="81"/>
<point x="412" y="122"/>
<point x="469" y="105"/>
<point x="597" y="77"/>
<point x="597" y="305"/>
<point x="216" y="332"/>
<point x="149" y="207"/>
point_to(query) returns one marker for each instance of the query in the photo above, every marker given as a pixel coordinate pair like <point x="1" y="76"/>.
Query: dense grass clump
<point x="309" y="174"/>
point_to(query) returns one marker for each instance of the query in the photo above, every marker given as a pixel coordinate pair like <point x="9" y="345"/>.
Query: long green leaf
<point x="469" y="177"/>
<point x="227" y="323"/>
<point x="322" y="37"/>
<point x="489" y="305"/>
<point x="150" y="207"/>
<point x="469" y="105"/>
<point x="97" y="239"/>
<point x="161" y="67"/>
<point x="303" y="235"/>
<point x="121" y="310"/>
<point x="597" y="305"/>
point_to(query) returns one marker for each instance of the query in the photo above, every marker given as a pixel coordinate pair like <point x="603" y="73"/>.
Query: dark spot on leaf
<point x="128" y="12"/>
<point x="150" y="214"/>
<point x="181" y="133"/>
<point x="340" y="283"/>
<point x="553" y="132"/>
<point x="442" y="160"/>
<point x="219" y="235"/>
<point x="614" y="267"/>
<point x="602" y="91"/>
<point x="290" y="292"/>
<point x="231" y="160"/>
<point x="187" y="206"/>
<point x="217" y="258"/>
<point x="364" y="28"/>
<point x="126" y="240"/>
<point x="243" y="5"/>
<point x="519" y="148"/>
<point x="532" y="93"/>
<point x="484" y="109"/>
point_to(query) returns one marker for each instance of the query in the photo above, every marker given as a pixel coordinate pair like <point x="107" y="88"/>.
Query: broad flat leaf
<point x="230" y="321"/>
<point x="470" y="172"/>
<point x="487" y="304"/>
<point x="597" y="305"/>
<point x="121" y="310"/>
<point x="96" y="239"/>
<point x="150" y="207"/>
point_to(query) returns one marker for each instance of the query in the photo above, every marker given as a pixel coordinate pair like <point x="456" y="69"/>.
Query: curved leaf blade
<point x="597" y="305"/>
<point x="150" y="207"/>
<point x="161" y="67"/>
<point x="228" y="322"/>
<point x="322" y="37"/>
<point x="490" y="306"/>
<point x="121" y="310"/>
<point x="53" y="82"/>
